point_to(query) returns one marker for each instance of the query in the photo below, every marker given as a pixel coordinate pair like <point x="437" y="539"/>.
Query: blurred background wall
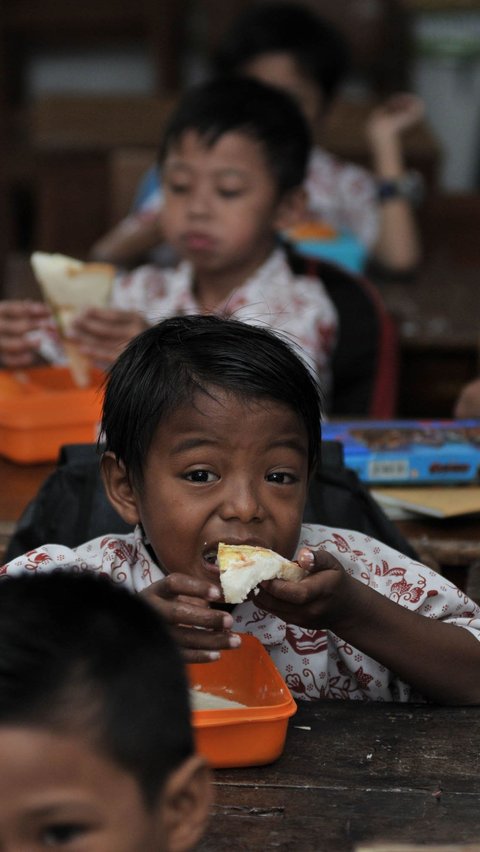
<point x="79" y="80"/>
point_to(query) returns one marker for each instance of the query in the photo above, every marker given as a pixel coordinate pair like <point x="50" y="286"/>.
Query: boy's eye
<point x="201" y="476"/>
<point x="178" y="188"/>
<point x="62" y="834"/>
<point x="281" y="477"/>
<point x="229" y="193"/>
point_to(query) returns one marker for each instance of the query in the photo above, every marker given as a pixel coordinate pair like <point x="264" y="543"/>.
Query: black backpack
<point x="71" y="506"/>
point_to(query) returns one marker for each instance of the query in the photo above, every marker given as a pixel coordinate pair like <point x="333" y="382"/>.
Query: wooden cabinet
<point x="29" y="26"/>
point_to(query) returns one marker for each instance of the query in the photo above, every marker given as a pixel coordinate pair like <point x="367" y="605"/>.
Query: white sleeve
<point x="111" y="555"/>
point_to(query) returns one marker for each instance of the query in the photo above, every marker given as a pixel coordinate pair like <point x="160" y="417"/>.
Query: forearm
<point x="439" y="660"/>
<point x="398" y="244"/>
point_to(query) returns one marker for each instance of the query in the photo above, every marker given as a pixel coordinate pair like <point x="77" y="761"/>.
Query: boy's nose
<point x="242" y="502"/>
<point x="199" y="204"/>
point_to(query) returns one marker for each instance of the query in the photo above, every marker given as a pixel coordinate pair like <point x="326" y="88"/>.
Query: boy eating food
<point x="233" y="160"/>
<point x="212" y="429"/>
<point x="96" y="747"/>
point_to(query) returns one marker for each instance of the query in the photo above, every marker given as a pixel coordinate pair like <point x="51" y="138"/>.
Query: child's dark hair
<point x="81" y="655"/>
<point x="167" y="365"/>
<point x="318" y="48"/>
<point x="266" y="114"/>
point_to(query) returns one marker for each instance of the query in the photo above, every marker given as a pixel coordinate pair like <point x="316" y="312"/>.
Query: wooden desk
<point x="353" y="772"/>
<point x="450" y="546"/>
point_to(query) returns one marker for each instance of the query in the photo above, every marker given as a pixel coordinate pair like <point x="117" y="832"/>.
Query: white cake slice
<point x="68" y="286"/>
<point x="243" y="567"/>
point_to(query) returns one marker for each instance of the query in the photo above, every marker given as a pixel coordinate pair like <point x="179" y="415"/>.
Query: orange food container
<point x="248" y="736"/>
<point x="41" y="409"/>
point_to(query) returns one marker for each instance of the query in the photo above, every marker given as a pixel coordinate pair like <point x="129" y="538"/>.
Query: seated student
<point x="96" y="746"/>
<point x="212" y="430"/>
<point x="233" y="161"/>
<point x="290" y="46"/>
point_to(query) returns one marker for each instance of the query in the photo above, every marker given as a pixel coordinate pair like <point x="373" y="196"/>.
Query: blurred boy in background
<point x="233" y="161"/>
<point x="291" y="47"/>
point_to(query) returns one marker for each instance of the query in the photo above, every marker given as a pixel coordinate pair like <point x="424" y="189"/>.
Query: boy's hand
<point x="17" y="319"/>
<point x="184" y="602"/>
<point x="324" y="596"/>
<point x="395" y="115"/>
<point x="103" y="333"/>
<point x="468" y="402"/>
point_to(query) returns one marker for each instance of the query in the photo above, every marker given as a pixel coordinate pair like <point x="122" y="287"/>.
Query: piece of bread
<point x="243" y="567"/>
<point x="68" y="286"/>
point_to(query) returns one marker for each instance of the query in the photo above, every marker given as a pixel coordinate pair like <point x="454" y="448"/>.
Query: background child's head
<point x="288" y="45"/>
<point x="165" y="368"/>
<point x="85" y="662"/>
<point x="233" y="163"/>
<point x="245" y="106"/>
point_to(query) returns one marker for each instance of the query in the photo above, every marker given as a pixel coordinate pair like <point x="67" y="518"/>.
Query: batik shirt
<point x="314" y="663"/>
<point x="298" y="307"/>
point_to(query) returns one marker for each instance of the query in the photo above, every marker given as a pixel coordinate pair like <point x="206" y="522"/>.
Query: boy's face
<point x="221" y="205"/>
<point x="224" y="469"/>
<point x="280" y="70"/>
<point x="57" y="791"/>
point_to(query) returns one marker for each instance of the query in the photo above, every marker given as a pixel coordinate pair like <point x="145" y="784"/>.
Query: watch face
<point x="409" y="186"/>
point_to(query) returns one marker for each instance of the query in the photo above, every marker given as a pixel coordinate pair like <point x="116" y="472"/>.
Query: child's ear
<point x="292" y="209"/>
<point x="118" y="488"/>
<point x="185" y="804"/>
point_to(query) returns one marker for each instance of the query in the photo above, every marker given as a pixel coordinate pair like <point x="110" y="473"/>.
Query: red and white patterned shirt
<point x="296" y="306"/>
<point x="344" y="195"/>
<point x="314" y="663"/>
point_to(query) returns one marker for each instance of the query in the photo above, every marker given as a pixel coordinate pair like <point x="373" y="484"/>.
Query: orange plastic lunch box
<point x="248" y="736"/>
<point x="41" y="409"/>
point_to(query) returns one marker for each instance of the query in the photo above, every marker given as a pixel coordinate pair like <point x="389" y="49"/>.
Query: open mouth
<point x="209" y="557"/>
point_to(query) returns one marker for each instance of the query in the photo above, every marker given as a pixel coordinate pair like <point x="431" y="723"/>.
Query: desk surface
<point x="354" y="772"/>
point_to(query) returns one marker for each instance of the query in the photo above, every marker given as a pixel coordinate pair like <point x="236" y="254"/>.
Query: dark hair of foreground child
<point x="166" y="367"/>
<point x="85" y="662"/>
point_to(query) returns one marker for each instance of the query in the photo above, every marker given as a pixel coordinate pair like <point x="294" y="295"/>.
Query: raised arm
<point x="398" y="245"/>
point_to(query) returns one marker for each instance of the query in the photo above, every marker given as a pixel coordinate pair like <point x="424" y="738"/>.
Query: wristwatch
<point x="410" y="186"/>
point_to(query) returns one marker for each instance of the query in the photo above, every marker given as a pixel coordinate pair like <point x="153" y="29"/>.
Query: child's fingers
<point x="307" y="601"/>
<point x="210" y="619"/>
<point x="314" y="561"/>
<point x="111" y="323"/>
<point x="100" y="354"/>
<point x="204" y="643"/>
<point x="177" y="584"/>
<point x="183" y="600"/>
<point x="193" y="655"/>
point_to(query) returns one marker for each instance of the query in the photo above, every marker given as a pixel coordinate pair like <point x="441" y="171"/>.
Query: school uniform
<point x="314" y="663"/>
